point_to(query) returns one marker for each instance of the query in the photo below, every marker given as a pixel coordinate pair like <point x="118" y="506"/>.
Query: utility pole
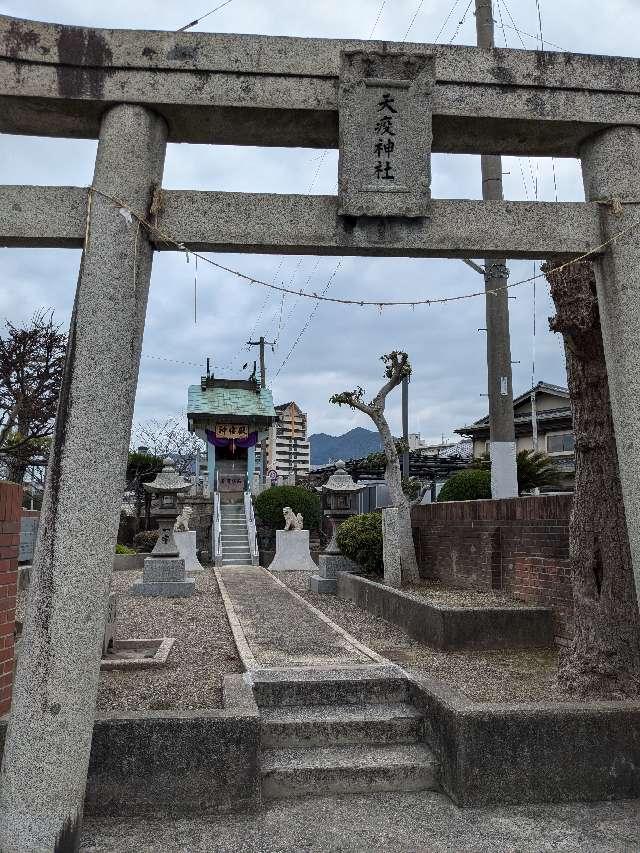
<point x="263" y="384"/>
<point x="405" y="426"/>
<point x="504" y="477"/>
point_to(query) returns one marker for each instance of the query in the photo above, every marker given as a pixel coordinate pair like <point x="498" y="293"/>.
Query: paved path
<point x="275" y="627"/>
<point x="380" y="823"/>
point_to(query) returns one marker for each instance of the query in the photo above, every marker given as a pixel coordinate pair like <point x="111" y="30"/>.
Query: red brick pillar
<point x="10" y="512"/>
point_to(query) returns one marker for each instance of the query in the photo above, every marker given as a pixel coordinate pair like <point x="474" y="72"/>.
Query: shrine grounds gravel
<point x="203" y="652"/>
<point x="482" y="676"/>
<point x="423" y="822"/>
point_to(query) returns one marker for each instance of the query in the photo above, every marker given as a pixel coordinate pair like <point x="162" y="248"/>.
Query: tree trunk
<point x="393" y="477"/>
<point x="604" y="656"/>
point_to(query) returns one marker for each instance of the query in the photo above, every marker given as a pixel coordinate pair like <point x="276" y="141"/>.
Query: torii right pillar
<point x="611" y="173"/>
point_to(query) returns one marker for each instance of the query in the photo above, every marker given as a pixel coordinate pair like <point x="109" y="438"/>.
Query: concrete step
<point x="333" y="725"/>
<point x="345" y="686"/>
<point x="235" y="540"/>
<point x="236" y="561"/>
<point x="347" y="770"/>
<point x="236" y="555"/>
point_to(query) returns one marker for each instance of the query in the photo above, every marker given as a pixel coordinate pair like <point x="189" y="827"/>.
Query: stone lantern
<point x="339" y="502"/>
<point x="164" y="569"/>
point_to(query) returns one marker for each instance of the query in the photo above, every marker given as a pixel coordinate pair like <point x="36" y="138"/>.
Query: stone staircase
<point x="235" y="540"/>
<point x="340" y="731"/>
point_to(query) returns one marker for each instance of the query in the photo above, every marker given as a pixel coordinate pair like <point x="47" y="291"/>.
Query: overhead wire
<point x="202" y="17"/>
<point x="446" y="21"/>
<point x="460" y="23"/>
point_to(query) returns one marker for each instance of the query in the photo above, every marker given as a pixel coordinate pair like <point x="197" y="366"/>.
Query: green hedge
<point x="145" y="541"/>
<point x="360" y="539"/>
<point x="270" y="503"/>
<point x="471" y="485"/>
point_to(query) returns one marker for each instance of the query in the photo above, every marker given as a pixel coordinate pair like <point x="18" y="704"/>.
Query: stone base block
<point x="292" y="552"/>
<point x="186" y="542"/>
<point x="327" y="586"/>
<point x="163" y="570"/>
<point x="331" y="564"/>
<point x="166" y="589"/>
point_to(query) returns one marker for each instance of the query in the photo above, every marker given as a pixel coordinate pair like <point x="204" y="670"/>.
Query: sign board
<point x="385" y="133"/>
<point x="273" y="475"/>
<point x="232" y="430"/>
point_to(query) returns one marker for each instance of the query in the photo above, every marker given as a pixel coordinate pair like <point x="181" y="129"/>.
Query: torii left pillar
<point x="46" y="755"/>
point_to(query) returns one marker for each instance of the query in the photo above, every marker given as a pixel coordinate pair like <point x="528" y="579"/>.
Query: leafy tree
<point x="360" y="538"/>
<point x="536" y="470"/>
<point x="270" y="503"/>
<point x="474" y="484"/>
<point x="397" y="367"/>
<point x="31" y="365"/>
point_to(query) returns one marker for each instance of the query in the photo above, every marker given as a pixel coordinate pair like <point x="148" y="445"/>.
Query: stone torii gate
<point x="134" y="91"/>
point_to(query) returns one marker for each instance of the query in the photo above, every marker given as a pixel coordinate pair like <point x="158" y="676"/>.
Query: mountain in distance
<point x="355" y="444"/>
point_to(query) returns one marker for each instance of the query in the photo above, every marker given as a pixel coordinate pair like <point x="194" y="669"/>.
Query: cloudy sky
<point x="341" y="345"/>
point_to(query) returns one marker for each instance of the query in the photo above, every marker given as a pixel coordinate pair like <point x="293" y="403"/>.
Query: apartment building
<point x="288" y="451"/>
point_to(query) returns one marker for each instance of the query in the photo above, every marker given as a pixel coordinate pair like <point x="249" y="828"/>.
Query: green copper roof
<point x="230" y="401"/>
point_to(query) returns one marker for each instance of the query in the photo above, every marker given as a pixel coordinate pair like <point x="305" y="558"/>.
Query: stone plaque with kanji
<point x="385" y="133"/>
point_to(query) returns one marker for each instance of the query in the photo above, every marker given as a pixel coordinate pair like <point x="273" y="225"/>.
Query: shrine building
<point x="231" y="416"/>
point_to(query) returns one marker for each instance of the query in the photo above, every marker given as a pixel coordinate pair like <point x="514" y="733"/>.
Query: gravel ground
<point x="204" y="650"/>
<point x="482" y="676"/>
<point x="435" y="593"/>
<point x="423" y="822"/>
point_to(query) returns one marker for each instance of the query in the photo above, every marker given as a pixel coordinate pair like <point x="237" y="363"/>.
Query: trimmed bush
<point x="360" y="539"/>
<point x="471" y="485"/>
<point x="270" y="503"/>
<point x="145" y="541"/>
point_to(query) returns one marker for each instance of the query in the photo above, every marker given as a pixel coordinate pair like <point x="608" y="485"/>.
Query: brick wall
<point x="10" y="512"/>
<point x="519" y="545"/>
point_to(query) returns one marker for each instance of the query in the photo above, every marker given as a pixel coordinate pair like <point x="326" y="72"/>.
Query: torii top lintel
<point x="271" y="90"/>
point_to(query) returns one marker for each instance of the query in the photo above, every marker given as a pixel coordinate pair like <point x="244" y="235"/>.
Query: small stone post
<point x="611" y="174"/>
<point x="391" y="556"/>
<point x="48" y="741"/>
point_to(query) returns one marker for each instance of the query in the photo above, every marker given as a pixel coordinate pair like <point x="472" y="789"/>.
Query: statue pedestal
<point x="186" y="542"/>
<point x="292" y="552"/>
<point x="164" y="576"/>
<point x="326" y="580"/>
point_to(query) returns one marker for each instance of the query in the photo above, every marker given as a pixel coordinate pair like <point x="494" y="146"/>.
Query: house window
<point x="560" y="442"/>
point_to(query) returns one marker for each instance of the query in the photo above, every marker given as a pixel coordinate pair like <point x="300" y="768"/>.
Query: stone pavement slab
<point x="275" y="627"/>
<point x="423" y="822"/>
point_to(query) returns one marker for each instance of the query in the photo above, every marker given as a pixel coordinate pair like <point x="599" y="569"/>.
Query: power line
<point x="446" y="21"/>
<point x="310" y="317"/>
<point x="377" y="20"/>
<point x="202" y="17"/>
<point x="460" y="23"/>
<point x="413" y="19"/>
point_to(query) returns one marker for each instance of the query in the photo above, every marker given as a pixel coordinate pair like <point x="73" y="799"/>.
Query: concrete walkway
<point x="276" y="628"/>
<point x="380" y="823"/>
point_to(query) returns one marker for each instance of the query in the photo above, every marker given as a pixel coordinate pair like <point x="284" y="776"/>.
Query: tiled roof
<point x="230" y="401"/>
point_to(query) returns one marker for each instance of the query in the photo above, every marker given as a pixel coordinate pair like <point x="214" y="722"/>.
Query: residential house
<point x="554" y="427"/>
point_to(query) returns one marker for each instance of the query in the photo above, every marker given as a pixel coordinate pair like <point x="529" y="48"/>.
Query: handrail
<point x="216" y="532"/>
<point x="251" y="528"/>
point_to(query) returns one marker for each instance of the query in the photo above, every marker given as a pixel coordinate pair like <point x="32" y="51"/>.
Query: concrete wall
<point x="451" y="627"/>
<point x="10" y="512"/>
<point x="176" y="763"/>
<point x="536" y="752"/>
<point x="519" y="545"/>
